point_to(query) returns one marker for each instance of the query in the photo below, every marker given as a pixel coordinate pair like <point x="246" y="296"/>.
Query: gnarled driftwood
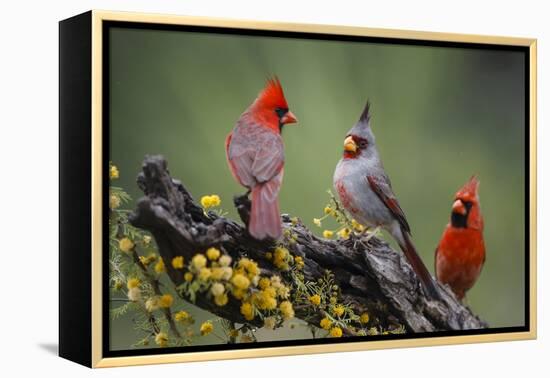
<point x="371" y="275"/>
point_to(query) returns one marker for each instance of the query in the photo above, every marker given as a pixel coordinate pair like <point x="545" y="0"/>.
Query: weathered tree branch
<point x="372" y="276"/>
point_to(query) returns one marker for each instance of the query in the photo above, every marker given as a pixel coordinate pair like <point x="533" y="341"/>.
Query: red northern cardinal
<point x="255" y="154"/>
<point x="365" y="192"/>
<point x="460" y="254"/>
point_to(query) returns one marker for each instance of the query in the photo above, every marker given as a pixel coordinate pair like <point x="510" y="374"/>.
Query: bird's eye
<point x="281" y="112"/>
<point x="363" y="144"/>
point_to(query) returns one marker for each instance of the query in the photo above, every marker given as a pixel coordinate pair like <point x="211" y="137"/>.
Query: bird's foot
<point x="370" y="234"/>
<point x="243" y="205"/>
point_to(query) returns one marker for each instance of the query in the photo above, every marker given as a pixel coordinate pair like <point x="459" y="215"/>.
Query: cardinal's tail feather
<point x="265" y="219"/>
<point x="419" y="268"/>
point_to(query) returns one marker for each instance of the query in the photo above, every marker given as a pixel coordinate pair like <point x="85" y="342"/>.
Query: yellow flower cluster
<point x="287" y="311"/>
<point x="213" y="253"/>
<point x="281" y="257"/>
<point x="210" y="201"/>
<point x="299" y="262"/>
<point x="182" y="317"/>
<point x="165" y="301"/>
<point x="126" y="245"/>
<point x="364" y="318"/>
<point x="247" y="310"/>
<point x="338" y="310"/>
<point x="336" y="332"/>
<point x="146" y="240"/>
<point x="357" y="226"/>
<point x="325" y="323"/>
<point x="159" y="266"/>
<point x="206" y="328"/>
<point x="113" y="172"/>
<point x="132" y="283"/>
<point x="327" y="234"/>
<point x="344" y="233"/>
<point x="315" y="299"/>
<point x="146" y="260"/>
<point x="114" y="201"/>
<point x="178" y="262"/>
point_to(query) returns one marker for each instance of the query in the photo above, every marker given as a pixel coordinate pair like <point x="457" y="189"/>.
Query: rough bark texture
<point x="372" y="276"/>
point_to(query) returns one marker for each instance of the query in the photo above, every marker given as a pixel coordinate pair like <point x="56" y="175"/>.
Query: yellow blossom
<point x="159" y="266"/>
<point x="182" y="316"/>
<point x="126" y="245"/>
<point x="247" y="311"/>
<point x="113" y="172"/>
<point x="213" y="253"/>
<point x="133" y="282"/>
<point x="188" y="276"/>
<point x="239" y="293"/>
<point x="225" y="260"/>
<point x="283" y="292"/>
<point x="265" y="299"/>
<point x="114" y="201"/>
<point x="287" y="311"/>
<point x="210" y="201"/>
<point x="227" y="273"/>
<point x="299" y="261"/>
<point x="240" y="281"/>
<point x="152" y="304"/>
<point x="217" y="289"/>
<point x="217" y="273"/>
<point x="327" y="210"/>
<point x="276" y="281"/>
<point x="264" y="283"/>
<point x="250" y="266"/>
<point x="344" y="233"/>
<point x="198" y="261"/>
<point x="280" y="256"/>
<point x="317" y="222"/>
<point x="177" y="262"/>
<point x="325" y="323"/>
<point x="215" y="200"/>
<point x="270" y="322"/>
<point x="338" y="310"/>
<point x="336" y="332"/>
<point x="165" y="301"/>
<point x="333" y="300"/>
<point x="357" y="226"/>
<point x="221" y="300"/>
<point x="204" y="274"/>
<point x="206" y="328"/>
<point x="327" y="234"/>
<point x="161" y="339"/>
<point x="206" y="202"/>
<point x="134" y="294"/>
<point x="315" y="299"/>
<point x="146" y="239"/>
<point x="364" y="319"/>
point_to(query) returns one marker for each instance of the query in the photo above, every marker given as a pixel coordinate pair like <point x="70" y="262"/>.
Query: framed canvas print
<point x="225" y="188"/>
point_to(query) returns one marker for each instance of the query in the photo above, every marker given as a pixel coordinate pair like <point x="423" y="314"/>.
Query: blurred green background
<point x="439" y="115"/>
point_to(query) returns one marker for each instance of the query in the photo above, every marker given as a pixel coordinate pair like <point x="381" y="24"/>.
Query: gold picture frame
<point x="93" y="25"/>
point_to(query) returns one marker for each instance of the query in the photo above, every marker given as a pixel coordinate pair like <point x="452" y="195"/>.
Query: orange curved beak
<point x="459" y="208"/>
<point x="289" y="118"/>
<point x="350" y="145"/>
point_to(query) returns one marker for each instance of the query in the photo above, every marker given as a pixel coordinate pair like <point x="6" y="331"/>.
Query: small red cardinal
<point x="460" y="254"/>
<point x="255" y="153"/>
